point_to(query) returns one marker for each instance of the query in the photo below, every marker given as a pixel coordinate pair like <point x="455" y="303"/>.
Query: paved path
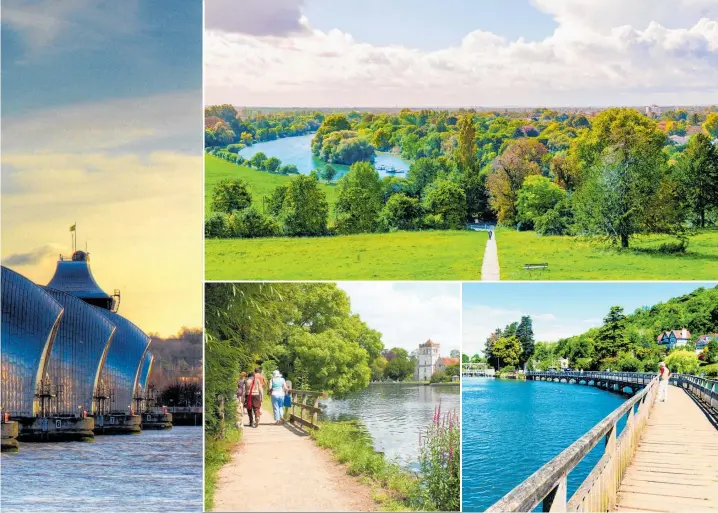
<point x="279" y="468"/>
<point x="676" y="464"/>
<point x="490" y="267"/>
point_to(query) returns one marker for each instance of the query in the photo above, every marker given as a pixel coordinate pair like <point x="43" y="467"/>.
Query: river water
<point x="155" y="471"/>
<point x="298" y="151"/>
<point x="394" y="415"/>
<point x="512" y="428"/>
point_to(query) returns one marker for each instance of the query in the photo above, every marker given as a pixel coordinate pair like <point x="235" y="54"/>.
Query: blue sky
<point x="101" y="125"/>
<point x="558" y="309"/>
<point x="429" y="25"/>
<point x="97" y="51"/>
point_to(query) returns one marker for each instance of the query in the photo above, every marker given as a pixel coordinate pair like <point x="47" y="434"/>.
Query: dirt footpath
<point x="279" y="468"/>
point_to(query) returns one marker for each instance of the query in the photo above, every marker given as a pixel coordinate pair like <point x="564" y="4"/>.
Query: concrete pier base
<point x="9" y="436"/>
<point x="117" y="424"/>
<point x="156" y="420"/>
<point x="55" y="429"/>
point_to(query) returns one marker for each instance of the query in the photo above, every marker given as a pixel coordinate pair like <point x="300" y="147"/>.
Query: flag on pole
<point x="72" y="228"/>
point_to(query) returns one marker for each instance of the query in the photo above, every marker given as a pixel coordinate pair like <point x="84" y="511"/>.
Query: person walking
<point x="278" y="387"/>
<point x="491" y="233"/>
<point x="663" y="375"/>
<point x="255" y="394"/>
<point x="241" y="397"/>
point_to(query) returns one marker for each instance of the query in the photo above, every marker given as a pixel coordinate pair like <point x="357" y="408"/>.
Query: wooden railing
<point x="703" y="389"/>
<point x="301" y="400"/>
<point x="599" y="490"/>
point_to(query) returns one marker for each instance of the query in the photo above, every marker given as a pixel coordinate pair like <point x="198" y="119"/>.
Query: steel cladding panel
<point x="30" y="318"/>
<point x="122" y="365"/>
<point x="145" y="373"/>
<point x="74" y="277"/>
<point x="77" y="355"/>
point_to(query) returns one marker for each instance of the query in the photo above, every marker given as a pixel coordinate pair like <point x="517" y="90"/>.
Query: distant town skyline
<point x="596" y="53"/>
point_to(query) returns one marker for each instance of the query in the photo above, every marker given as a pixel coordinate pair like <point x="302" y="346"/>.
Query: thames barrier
<point x="72" y="367"/>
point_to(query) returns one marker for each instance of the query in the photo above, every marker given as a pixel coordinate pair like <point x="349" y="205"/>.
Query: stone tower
<point x="426" y="363"/>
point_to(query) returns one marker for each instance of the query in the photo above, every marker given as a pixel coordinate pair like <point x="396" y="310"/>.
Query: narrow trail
<point x="279" y="468"/>
<point x="490" y="268"/>
<point x="675" y="467"/>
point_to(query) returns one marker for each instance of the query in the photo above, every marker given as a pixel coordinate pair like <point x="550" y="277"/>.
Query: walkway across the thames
<point x="675" y="467"/>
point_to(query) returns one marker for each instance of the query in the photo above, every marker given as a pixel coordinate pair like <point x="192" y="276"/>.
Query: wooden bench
<point x="530" y="267"/>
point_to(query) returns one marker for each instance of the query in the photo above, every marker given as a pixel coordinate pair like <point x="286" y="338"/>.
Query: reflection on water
<point x="298" y="151"/>
<point x="394" y="414"/>
<point x="154" y="471"/>
<point x="512" y="428"/>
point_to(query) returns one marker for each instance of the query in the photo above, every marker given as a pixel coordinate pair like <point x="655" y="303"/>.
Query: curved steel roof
<point x="74" y="277"/>
<point x="124" y="358"/>
<point x="145" y="374"/>
<point x="30" y="320"/>
<point x="78" y="354"/>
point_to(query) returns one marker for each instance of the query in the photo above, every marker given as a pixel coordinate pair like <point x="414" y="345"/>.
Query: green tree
<point x="250" y="223"/>
<point x="711" y="124"/>
<point x="536" y="197"/>
<point x="612" y="338"/>
<point x="445" y="204"/>
<point x="466" y="152"/>
<point x="272" y="164"/>
<point x="360" y="199"/>
<point x="328" y="173"/>
<point x="230" y="195"/>
<point x="400" y="213"/>
<point x="525" y="334"/>
<point x="304" y="208"/>
<point x="712" y="351"/>
<point x="400" y="367"/>
<point x="326" y="361"/>
<point x="682" y="362"/>
<point x="698" y="176"/>
<point x="623" y="167"/>
<point x="258" y="160"/>
<point x="378" y="368"/>
<point x="507" y="350"/>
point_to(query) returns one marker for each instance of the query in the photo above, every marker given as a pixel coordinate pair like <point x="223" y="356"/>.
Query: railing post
<point x="314" y="412"/>
<point x="556" y="499"/>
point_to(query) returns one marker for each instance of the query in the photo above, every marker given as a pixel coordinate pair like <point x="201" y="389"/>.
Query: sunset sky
<point x="343" y="53"/>
<point x="101" y="125"/>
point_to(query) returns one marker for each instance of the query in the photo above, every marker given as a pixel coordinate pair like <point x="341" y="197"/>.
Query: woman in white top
<point x="278" y="387"/>
<point x="663" y="375"/>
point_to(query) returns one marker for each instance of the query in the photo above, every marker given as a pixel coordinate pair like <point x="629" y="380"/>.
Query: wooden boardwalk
<point x="279" y="468"/>
<point x="675" y="467"/>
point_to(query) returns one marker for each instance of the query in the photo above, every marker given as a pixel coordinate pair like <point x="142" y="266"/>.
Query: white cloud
<point x="409" y="314"/>
<point x="45" y="23"/>
<point x="626" y="56"/>
<point x="256" y="17"/>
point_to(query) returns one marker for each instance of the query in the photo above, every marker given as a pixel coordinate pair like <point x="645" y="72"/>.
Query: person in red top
<point x="663" y="375"/>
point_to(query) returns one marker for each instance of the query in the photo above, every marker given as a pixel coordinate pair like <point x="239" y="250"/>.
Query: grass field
<point x="575" y="259"/>
<point x="260" y="183"/>
<point x="440" y="255"/>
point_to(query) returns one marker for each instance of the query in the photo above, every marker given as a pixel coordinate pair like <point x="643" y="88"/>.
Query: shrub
<point x="235" y="148"/>
<point x="250" y="223"/>
<point x="216" y="226"/>
<point x="682" y="362"/>
<point x="709" y="370"/>
<point x="556" y="221"/>
<point x="400" y="213"/>
<point x="240" y="160"/>
<point x="272" y="164"/>
<point x="288" y="169"/>
<point x="230" y="195"/>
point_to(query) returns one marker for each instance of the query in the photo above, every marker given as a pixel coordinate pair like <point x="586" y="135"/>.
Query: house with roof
<point x="703" y="341"/>
<point x="674" y="338"/>
<point x="429" y="361"/>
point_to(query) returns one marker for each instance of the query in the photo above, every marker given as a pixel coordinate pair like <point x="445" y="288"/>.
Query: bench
<point x="530" y="267"/>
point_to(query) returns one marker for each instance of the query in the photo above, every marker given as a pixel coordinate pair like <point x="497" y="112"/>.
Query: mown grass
<point x="216" y="454"/>
<point x="572" y="258"/>
<point x="261" y="183"/>
<point x="393" y="487"/>
<point x="429" y="255"/>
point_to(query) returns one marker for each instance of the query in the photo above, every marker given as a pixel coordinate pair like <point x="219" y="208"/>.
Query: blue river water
<point x="393" y="415"/>
<point x="298" y="151"/>
<point x="154" y="471"/>
<point x="512" y="428"/>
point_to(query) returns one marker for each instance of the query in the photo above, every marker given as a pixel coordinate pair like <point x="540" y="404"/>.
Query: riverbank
<point x="217" y="453"/>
